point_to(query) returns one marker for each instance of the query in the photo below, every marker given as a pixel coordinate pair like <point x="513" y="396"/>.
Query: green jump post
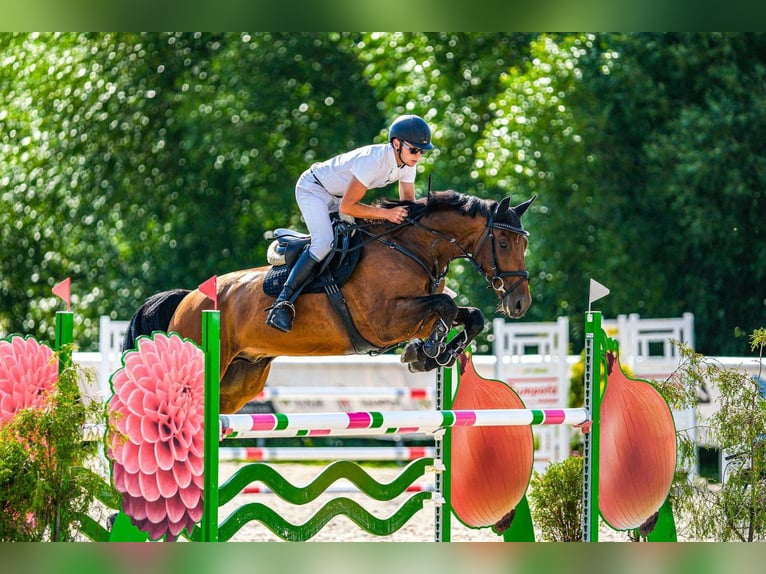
<point x="211" y="345"/>
<point x="64" y="338"/>
<point x="594" y="359"/>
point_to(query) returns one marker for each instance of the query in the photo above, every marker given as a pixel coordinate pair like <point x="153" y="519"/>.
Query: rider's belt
<point x="316" y="180"/>
<point x="320" y="184"/>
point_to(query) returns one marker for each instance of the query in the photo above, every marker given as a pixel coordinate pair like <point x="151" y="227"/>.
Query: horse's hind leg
<point x="242" y="382"/>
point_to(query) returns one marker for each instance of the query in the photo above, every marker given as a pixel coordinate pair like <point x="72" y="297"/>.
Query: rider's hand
<point x="396" y="214"/>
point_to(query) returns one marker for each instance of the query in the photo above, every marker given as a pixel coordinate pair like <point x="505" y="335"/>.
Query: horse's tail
<point x="154" y="315"/>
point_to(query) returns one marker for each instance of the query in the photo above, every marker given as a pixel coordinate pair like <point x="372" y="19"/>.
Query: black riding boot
<point x="283" y="311"/>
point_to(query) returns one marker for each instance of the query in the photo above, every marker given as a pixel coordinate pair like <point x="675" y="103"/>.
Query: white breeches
<point x="316" y="204"/>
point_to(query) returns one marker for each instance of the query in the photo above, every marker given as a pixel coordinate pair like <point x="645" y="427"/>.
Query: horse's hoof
<point x="412" y="351"/>
<point x="422" y="366"/>
<point x="415" y="367"/>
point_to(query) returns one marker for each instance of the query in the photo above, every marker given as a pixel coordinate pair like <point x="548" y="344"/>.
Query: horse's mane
<point x="464" y="204"/>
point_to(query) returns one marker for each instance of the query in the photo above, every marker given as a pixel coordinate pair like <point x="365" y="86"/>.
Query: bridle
<point x="495" y="280"/>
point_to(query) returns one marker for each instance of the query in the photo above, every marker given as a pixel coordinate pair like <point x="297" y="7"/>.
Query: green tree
<point x="706" y="171"/>
<point x="541" y="140"/>
<point x="633" y="142"/>
<point x="82" y="174"/>
<point x="139" y="162"/>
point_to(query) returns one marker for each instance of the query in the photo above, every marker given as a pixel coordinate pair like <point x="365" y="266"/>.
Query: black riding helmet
<point x="412" y="129"/>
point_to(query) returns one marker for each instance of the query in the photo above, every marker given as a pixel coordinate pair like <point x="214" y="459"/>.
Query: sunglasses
<point x="412" y="149"/>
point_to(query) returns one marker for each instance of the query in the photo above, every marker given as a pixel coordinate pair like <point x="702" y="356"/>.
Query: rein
<point x="435" y="277"/>
<point x="495" y="280"/>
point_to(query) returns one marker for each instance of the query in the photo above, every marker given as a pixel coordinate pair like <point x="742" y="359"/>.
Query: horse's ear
<point x="502" y="207"/>
<point x="522" y="207"/>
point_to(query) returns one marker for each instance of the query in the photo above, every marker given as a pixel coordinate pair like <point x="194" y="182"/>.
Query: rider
<point x="339" y="184"/>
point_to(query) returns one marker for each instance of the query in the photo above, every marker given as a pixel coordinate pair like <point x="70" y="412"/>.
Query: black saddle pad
<point x="341" y="265"/>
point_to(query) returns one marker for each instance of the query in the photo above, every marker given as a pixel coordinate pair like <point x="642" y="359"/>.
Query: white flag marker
<point x="597" y="291"/>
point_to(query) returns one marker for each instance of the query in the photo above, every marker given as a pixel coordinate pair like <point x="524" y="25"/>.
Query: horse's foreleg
<point x="418" y="360"/>
<point x="472" y="320"/>
<point x="441" y="311"/>
<point x="437" y="340"/>
<point x="242" y="382"/>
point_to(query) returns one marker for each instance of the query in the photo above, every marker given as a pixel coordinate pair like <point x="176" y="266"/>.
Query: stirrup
<point x="279" y="305"/>
<point x="281" y="321"/>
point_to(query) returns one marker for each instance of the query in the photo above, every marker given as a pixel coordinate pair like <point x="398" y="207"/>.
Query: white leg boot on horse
<point x="282" y="312"/>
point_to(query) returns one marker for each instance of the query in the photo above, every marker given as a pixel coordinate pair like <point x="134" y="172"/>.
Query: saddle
<point x="337" y="267"/>
<point x="334" y="271"/>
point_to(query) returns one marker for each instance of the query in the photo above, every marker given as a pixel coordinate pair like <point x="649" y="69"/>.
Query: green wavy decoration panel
<point x="301" y="532"/>
<point x="335" y="471"/>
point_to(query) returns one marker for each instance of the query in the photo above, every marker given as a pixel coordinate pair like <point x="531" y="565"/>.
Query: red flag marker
<point x="64" y="291"/>
<point x="210" y="289"/>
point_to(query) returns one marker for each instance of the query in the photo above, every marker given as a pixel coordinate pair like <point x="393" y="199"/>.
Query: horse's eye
<point x="503" y="244"/>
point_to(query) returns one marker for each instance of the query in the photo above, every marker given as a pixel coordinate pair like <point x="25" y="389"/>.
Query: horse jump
<point x="599" y="351"/>
<point x="400" y="422"/>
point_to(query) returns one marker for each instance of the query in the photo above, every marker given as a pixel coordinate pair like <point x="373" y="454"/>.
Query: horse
<point x="394" y="295"/>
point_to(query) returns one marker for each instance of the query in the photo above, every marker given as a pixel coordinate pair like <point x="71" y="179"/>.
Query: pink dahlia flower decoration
<point x="155" y="436"/>
<point x="28" y="372"/>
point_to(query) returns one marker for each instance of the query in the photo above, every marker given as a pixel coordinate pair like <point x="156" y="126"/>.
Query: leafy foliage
<point x="556" y="500"/>
<point x="734" y="510"/>
<point x="47" y="487"/>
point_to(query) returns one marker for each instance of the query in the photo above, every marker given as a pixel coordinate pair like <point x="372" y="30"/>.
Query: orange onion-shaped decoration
<point x="637" y="450"/>
<point x="491" y="466"/>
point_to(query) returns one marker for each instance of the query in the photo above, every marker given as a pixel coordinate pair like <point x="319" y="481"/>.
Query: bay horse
<point x="395" y="294"/>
